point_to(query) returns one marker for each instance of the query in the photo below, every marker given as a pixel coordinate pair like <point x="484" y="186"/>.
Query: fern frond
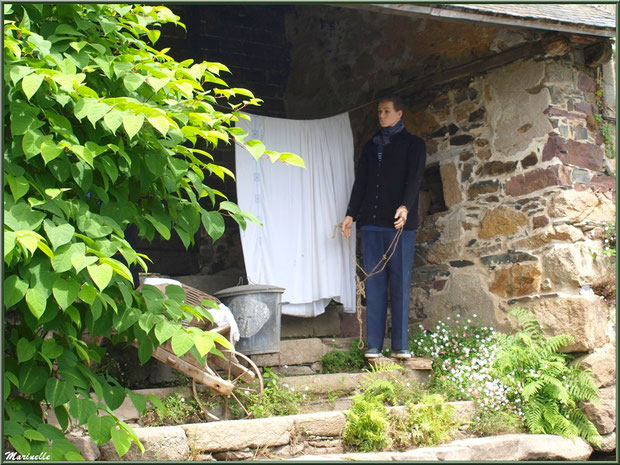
<point x="528" y="322"/>
<point x="585" y="427"/>
<point x="555" y="343"/>
<point x="532" y="388"/>
<point x="534" y="416"/>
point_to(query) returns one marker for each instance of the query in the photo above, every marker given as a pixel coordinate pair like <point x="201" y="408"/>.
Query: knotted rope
<point x="360" y="283"/>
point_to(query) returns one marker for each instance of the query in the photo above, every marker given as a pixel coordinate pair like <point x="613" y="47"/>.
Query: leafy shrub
<point x="339" y="361"/>
<point x="104" y="133"/>
<point x="390" y="387"/>
<point x="367" y="425"/>
<point x="551" y="390"/>
<point x="428" y="422"/>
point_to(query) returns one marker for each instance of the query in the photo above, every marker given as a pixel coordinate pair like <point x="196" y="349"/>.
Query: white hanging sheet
<point x="297" y="248"/>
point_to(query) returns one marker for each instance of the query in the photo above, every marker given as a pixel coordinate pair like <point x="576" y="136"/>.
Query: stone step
<point x="346" y="382"/>
<point x="281" y="437"/>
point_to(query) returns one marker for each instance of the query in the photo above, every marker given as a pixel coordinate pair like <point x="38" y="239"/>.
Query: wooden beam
<point x="473" y="68"/>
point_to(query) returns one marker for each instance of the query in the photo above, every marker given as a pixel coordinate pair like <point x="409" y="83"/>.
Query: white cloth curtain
<point x="297" y="248"/>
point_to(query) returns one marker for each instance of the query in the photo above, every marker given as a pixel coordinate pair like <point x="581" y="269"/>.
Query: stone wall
<point x="528" y="190"/>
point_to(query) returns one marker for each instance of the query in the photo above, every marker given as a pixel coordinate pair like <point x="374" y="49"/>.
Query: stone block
<point x="530" y="160"/>
<point x="532" y="181"/>
<point x="602" y="363"/>
<point x="293" y="352"/>
<point x="583" y="155"/>
<point x="506" y="258"/>
<point x="481" y="188"/>
<point x="583" y="317"/>
<point x="320" y="424"/>
<point x="603" y="414"/>
<point x="452" y="193"/>
<point x="510" y="106"/>
<point x="463" y="296"/>
<point x="517" y="280"/>
<point x="224" y="436"/>
<point x="496" y="168"/>
<point x="87" y="447"/>
<point x="502" y="221"/>
<point x="608" y="443"/>
<point x="161" y="443"/>
<point x="581" y="206"/>
<point x="573" y="265"/>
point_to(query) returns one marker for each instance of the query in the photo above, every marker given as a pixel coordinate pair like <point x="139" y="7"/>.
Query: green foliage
<point x="103" y="132"/>
<point x="278" y="398"/>
<point x="551" y="389"/>
<point x="175" y="409"/>
<point x="428" y="422"/>
<point x="494" y="422"/>
<point x="389" y="386"/>
<point x="367" y="425"/>
<point x="339" y="361"/>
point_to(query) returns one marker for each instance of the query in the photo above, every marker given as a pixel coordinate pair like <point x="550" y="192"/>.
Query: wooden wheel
<point x="246" y="379"/>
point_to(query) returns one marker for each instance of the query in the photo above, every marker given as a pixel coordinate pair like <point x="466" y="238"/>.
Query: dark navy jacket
<point x="380" y="188"/>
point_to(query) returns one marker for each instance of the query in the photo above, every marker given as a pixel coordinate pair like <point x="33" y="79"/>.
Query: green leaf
<point x="126" y="318"/>
<point x="51" y="349"/>
<point x="100" y="274"/>
<point x="161" y="228"/>
<point x="204" y="343"/>
<point x="25" y="350"/>
<point x="160" y="123"/>
<point x="182" y="341"/>
<point x="145" y="350"/>
<point x="37" y="301"/>
<point x="18" y="72"/>
<point x="114" y="396"/>
<point x="213" y="223"/>
<point x="292" y="159"/>
<point x="21" y="217"/>
<point x="132" y="124"/>
<point x="82" y="409"/>
<point x="99" y="428"/>
<point x="113" y="119"/>
<point x="62" y="416"/>
<point x="255" y="147"/>
<point x="50" y="150"/>
<point x="62" y="258"/>
<point x="132" y="81"/>
<point x="32" y="377"/>
<point x="156" y="83"/>
<point x="31" y="83"/>
<point x="81" y="261"/>
<point x="58" y="235"/>
<point x="65" y="292"/>
<point x="139" y="401"/>
<point x="121" y="440"/>
<point x="57" y="392"/>
<point x="34" y="435"/>
<point x="164" y="330"/>
<point x="14" y="290"/>
<point x="20" y="444"/>
<point x="19" y="186"/>
<point x="87" y="294"/>
<point x="96" y="112"/>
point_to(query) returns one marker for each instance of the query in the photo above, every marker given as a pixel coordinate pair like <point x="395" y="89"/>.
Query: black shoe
<point x="372" y="353"/>
<point x="400" y="354"/>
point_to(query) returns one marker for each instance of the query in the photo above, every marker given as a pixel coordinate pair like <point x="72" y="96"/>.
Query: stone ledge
<point x="509" y="447"/>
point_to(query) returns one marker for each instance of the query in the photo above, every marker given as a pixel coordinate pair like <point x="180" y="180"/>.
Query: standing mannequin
<point x="384" y="199"/>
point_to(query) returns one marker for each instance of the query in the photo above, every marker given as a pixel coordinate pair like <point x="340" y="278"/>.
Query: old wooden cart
<point x="225" y="376"/>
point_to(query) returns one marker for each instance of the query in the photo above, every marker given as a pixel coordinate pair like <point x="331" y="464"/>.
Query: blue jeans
<point x="396" y="274"/>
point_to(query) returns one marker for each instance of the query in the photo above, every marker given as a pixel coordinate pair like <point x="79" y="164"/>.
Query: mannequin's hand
<point x="401" y="217"/>
<point x="345" y="227"/>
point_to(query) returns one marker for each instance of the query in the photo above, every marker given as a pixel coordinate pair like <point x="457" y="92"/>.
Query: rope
<point x="360" y="284"/>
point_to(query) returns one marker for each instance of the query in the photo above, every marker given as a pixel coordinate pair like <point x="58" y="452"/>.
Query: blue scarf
<point x="385" y="134"/>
